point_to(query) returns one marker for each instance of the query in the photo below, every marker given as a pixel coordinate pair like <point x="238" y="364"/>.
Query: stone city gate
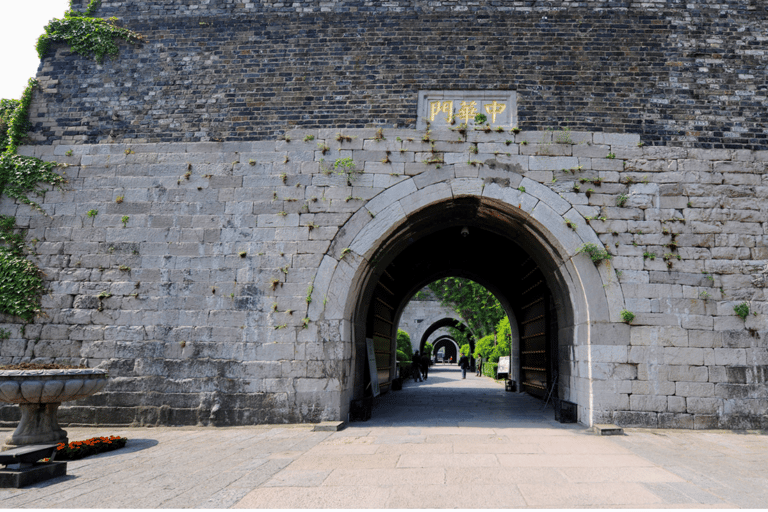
<point x="227" y="268"/>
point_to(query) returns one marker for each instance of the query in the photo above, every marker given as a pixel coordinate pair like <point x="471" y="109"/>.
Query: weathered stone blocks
<point x="190" y="317"/>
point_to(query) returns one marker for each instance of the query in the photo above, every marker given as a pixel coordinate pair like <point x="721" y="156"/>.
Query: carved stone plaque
<point x="447" y="109"/>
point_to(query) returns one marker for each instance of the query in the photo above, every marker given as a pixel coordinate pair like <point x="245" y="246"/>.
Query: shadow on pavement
<point x="445" y="399"/>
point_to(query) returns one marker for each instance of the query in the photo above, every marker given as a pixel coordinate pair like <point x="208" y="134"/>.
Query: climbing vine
<point x="86" y="35"/>
<point x="20" y="176"/>
<point x="20" y="285"/>
<point x="7" y="107"/>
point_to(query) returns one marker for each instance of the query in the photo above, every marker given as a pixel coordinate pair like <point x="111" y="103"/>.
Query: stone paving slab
<point x="422" y="445"/>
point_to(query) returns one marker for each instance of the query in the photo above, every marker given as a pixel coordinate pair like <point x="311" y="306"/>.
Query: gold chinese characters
<point x="466" y="111"/>
<point x="494" y="109"/>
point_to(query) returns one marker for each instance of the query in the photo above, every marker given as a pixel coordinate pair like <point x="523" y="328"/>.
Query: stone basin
<point x="39" y="394"/>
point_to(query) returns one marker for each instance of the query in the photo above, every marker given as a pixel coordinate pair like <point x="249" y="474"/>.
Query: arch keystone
<point x="467" y="187"/>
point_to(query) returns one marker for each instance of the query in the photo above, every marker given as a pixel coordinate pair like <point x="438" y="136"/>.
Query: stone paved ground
<point x="443" y="443"/>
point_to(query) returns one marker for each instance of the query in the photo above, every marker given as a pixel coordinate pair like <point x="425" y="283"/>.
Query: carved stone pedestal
<point x="39" y="394"/>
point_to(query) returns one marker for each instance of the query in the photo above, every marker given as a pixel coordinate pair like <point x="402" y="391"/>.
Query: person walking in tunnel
<point x="464" y="364"/>
<point x="425" y="360"/>
<point x="416" y="367"/>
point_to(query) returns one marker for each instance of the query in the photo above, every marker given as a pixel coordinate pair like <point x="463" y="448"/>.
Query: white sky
<point x="21" y="23"/>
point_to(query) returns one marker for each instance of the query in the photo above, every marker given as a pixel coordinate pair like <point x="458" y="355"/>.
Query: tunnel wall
<point x="224" y="296"/>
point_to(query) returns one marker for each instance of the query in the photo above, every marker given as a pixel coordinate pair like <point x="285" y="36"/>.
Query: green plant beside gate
<point x="489" y="369"/>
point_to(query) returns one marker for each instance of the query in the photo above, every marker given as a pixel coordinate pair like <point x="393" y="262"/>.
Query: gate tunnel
<point x="447" y="322"/>
<point x="449" y="345"/>
<point x="499" y="249"/>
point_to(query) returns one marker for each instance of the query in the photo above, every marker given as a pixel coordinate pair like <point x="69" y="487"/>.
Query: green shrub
<point x="404" y="344"/>
<point x="498" y="352"/>
<point x="428" y="348"/>
<point x="489" y="369"/>
<point x="403" y="358"/>
<point x="503" y="340"/>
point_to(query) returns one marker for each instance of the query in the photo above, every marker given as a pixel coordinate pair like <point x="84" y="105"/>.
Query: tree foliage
<point x="479" y="308"/>
<point x="484" y="347"/>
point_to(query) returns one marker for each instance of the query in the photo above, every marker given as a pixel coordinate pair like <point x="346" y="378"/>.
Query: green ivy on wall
<point x="86" y="35"/>
<point x="21" y="282"/>
<point x="20" y="285"/>
<point x="7" y="108"/>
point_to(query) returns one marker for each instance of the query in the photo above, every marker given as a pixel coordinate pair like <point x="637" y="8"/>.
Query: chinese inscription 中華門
<point x="446" y="108"/>
<point x="466" y="111"/>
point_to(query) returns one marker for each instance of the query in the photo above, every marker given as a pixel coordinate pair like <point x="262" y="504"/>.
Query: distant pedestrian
<point x="425" y="360"/>
<point x="416" y="367"/>
<point x="479" y="366"/>
<point x="464" y="364"/>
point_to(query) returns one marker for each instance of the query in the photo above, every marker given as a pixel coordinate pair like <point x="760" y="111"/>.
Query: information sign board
<point x="503" y="365"/>
<point x="372" y="366"/>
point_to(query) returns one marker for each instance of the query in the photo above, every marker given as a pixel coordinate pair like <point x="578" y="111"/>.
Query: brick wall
<point x="141" y="8"/>
<point x="689" y="74"/>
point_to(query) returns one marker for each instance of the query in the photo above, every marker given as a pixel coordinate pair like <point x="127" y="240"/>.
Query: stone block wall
<point x="190" y="280"/>
<point x="686" y="74"/>
<point x="419" y="315"/>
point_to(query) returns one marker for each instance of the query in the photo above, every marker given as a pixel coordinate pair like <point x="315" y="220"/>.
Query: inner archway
<point x="446" y="322"/>
<point x="449" y="346"/>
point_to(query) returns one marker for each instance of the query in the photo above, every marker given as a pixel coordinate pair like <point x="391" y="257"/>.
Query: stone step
<point x="607" y="429"/>
<point x="329" y="426"/>
<point x="27" y="454"/>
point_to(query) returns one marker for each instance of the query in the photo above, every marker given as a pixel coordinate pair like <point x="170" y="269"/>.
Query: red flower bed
<point x="80" y="449"/>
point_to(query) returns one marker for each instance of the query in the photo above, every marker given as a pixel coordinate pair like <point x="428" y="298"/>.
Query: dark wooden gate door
<point x="382" y="314"/>
<point x="534" y="335"/>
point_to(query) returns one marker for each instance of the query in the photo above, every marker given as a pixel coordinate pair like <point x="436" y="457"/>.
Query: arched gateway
<point x="445" y="322"/>
<point x="518" y="246"/>
<point x="449" y="347"/>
